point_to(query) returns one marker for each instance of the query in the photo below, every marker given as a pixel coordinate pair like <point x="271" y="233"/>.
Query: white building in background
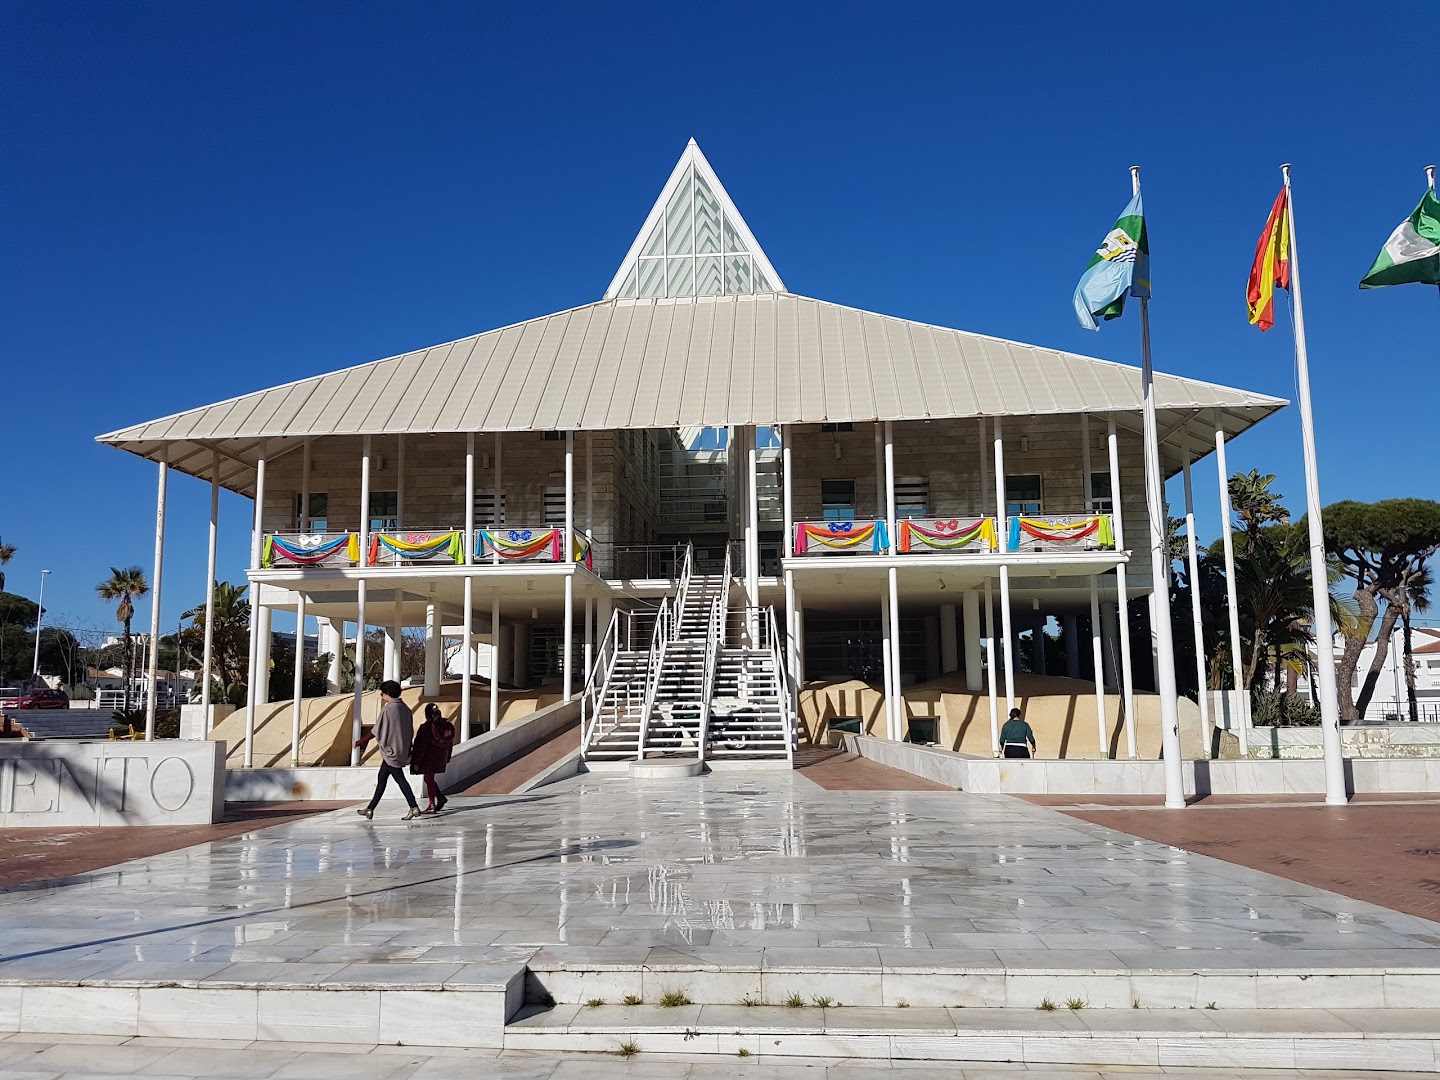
<point x="703" y="494"/>
<point x="1390" y="700"/>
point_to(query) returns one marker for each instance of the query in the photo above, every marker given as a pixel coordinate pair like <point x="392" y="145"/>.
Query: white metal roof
<point x="708" y="361"/>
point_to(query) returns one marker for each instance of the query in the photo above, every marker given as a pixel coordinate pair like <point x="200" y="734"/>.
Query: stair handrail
<point x="658" y="644"/>
<point x="714" y="645"/>
<point x="592" y="698"/>
<point x="687" y="568"/>
<point x="781" y="694"/>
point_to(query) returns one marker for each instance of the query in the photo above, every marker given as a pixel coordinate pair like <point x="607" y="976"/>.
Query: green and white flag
<point x="1413" y="251"/>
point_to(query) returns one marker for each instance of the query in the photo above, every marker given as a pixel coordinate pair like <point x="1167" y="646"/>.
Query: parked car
<point x="43" y="699"/>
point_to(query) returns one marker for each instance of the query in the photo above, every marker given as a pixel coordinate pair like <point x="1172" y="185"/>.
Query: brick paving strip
<point x="835" y="770"/>
<point x="33" y="855"/>
<point x="1383" y="849"/>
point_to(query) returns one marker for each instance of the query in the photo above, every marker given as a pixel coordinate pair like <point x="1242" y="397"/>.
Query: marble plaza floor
<point x="750" y="868"/>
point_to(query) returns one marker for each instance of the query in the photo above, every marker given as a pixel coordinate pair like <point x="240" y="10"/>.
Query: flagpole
<point x="1159" y="566"/>
<point x="1319" y="577"/>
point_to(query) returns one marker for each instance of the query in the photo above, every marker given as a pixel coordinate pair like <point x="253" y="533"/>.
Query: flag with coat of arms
<point x="1119" y="267"/>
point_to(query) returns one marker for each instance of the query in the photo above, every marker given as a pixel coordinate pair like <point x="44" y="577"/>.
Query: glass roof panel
<point x="707" y="219"/>
<point x="678" y="216"/>
<point x="708" y="280"/>
<point x="737" y="274"/>
<point x="652" y="277"/>
<point x="656" y="244"/>
<point x="732" y="238"/>
<point x="680" y="282"/>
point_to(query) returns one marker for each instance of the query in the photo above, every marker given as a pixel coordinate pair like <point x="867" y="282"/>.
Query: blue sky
<point x="204" y="199"/>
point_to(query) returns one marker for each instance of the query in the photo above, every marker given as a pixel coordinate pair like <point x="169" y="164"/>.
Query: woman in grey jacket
<point x="394" y="732"/>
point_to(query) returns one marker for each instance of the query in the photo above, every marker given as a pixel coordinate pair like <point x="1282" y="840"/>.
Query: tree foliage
<point x="123" y="586"/>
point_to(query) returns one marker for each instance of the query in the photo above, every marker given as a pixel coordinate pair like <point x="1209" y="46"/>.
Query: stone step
<point x="1386" y="1039"/>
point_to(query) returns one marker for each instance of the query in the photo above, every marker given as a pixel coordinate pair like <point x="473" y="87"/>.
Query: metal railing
<point x="640" y="562"/>
<point x="714" y="644"/>
<point x="496" y="544"/>
<point x="1398" y="712"/>
<point x="115" y="699"/>
<point x="945" y="536"/>
<point x="442" y="544"/>
<point x="664" y="619"/>
<point x="298" y="550"/>
<point x="598" y="683"/>
<point x="1064" y="532"/>
<point x="781" y="691"/>
<point x="856" y="537"/>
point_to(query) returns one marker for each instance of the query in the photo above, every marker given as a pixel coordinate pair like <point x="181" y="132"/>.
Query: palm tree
<point x="1415" y="597"/>
<point x="1255" y="504"/>
<point x="124" y="586"/>
<point x="232" y="631"/>
<point x="7" y="552"/>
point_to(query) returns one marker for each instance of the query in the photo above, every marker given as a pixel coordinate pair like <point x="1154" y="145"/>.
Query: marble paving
<point x="29" y="1057"/>
<point x="743" y="868"/>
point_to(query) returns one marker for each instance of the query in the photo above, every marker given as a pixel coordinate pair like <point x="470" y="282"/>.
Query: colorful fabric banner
<point x="1097" y="528"/>
<point x="583" y="554"/>
<point x="309" y="550"/>
<point x="414" y="547"/>
<point x="947" y="535"/>
<point x="842" y="534"/>
<point x="519" y="543"/>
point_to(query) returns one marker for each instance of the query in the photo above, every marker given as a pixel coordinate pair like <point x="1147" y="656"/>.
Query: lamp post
<point x="39" y="618"/>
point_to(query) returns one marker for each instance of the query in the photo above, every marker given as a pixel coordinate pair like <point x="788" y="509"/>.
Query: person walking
<point x="393" y="732"/>
<point x="1017" y="738"/>
<point x="431" y="754"/>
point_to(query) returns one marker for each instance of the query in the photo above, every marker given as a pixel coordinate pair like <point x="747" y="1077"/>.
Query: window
<point x="849" y="724"/>
<point x="384" y="511"/>
<point x="554" y="508"/>
<point x="1022" y="494"/>
<point x="912" y="497"/>
<point x="1100" y="500"/>
<point x="553" y="436"/>
<point x="837" y="500"/>
<point x="837" y="427"/>
<point x="923" y="729"/>
<point x="485" y="509"/>
<point x="318" y="519"/>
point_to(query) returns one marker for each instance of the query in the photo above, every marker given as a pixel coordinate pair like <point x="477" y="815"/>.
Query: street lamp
<point x="39" y="618"/>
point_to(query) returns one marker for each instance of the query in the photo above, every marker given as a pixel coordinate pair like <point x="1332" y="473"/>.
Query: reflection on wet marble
<point x="723" y="867"/>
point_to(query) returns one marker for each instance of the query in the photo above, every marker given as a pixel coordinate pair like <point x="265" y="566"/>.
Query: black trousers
<point x="1011" y="750"/>
<point x="386" y="771"/>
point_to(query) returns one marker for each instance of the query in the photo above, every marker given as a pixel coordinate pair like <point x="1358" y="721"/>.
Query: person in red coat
<point x="431" y="754"/>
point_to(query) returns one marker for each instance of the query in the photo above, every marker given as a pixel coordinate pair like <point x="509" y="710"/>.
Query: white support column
<point x="1122" y="598"/>
<point x="792" y="641"/>
<point x="469" y="498"/>
<point x="990" y="670"/>
<point x="1240" y="699"/>
<point x="336" y="650"/>
<point x="1195" y="619"/>
<point x="467" y="654"/>
<point x="567" y="635"/>
<point x="432" y="650"/>
<point x="589" y="487"/>
<point x="887" y="658"/>
<point x="495" y="655"/>
<point x="752" y="529"/>
<point x="298" y="694"/>
<point x="890" y="486"/>
<point x="154" y="665"/>
<point x="255" y="538"/>
<point x="949" y="640"/>
<point x="263" y="652"/>
<point x="588" y="656"/>
<point x="390" y="668"/>
<point x="799" y="647"/>
<point x="1097" y="654"/>
<point x="970" y="612"/>
<point x="895" y="673"/>
<point x="357" y="706"/>
<point x="1006" y="631"/>
<point x="207" y="664"/>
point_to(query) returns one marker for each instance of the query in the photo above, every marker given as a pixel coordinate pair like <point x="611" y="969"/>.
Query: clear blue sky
<point x="205" y="199"/>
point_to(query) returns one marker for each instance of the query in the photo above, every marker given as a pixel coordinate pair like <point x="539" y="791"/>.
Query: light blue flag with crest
<point x="1119" y="267"/>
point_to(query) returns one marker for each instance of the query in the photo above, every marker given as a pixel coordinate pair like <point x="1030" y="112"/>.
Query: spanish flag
<point x="1271" y="266"/>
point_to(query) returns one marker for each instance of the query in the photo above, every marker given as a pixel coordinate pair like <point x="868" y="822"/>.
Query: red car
<point x="43" y="699"/>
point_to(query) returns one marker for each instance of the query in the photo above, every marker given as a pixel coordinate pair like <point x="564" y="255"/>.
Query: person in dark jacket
<point x="1017" y="738"/>
<point x="393" y="732"/>
<point x="431" y="753"/>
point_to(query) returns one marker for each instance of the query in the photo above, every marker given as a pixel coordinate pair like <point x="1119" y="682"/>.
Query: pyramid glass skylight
<point x="694" y="243"/>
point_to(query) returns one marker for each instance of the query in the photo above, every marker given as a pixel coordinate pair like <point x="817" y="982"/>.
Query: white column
<point x="467" y="649"/>
<point x="390" y="669"/>
<point x="1006" y="631"/>
<point x="250" y="680"/>
<point x="890" y="486"/>
<point x="207" y="670"/>
<point x="262" y="654"/>
<point x="567" y="635"/>
<point x="787" y="545"/>
<point x="799" y="647"/>
<point x="469" y="498"/>
<point x="899" y="715"/>
<point x="589" y="487"/>
<point x="432" y="650"/>
<point x="336" y="649"/>
<point x="299" y="687"/>
<point x="357" y="705"/>
<point x="1195" y="619"/>
<point x="154" y="666"/>
<point x="1122" y="599"/>
<point x="949" y="640"/>
<point x="588" y="656"/>
<point x="752" y="534"/>
<point x="495" y="655"/>
<point x="887" y="658"/>
<point x="1097" y="653"/>
<point x="970" y="611"/>
<point x="1241" y="700"/>
<point x="990" y="670"/>
<point x="792" y="637"/>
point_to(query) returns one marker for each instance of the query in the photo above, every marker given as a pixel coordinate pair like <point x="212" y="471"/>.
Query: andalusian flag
<point x="1413" y="251"/>
<point x="1120" y="265"/>
<point x="1271" y="266"/>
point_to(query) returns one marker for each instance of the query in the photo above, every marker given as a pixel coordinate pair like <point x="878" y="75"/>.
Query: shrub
<point x="1272" y="708"/>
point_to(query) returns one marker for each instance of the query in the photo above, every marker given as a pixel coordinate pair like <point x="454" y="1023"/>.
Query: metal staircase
<point x="667" y="683"/>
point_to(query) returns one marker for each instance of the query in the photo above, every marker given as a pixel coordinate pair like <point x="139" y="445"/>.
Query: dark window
<point x="485" y="509"/>
<point x="837" y="500"/>
<point x="837" y="427"/>
<point x="850" y="724"/>
<point x="924" y="729"/>
<point x="1022" y="494"/>
<point x="1100" y="498"/>
<point x="318" y="520"/>
<point x="554" y="508"/>
<point x="912" y="497"/>
<point x="553" y="436"/>
<point x="384" y="510"/>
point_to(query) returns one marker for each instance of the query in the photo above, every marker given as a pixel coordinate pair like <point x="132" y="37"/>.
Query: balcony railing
<point x="406" y="546"/>
<point x="841" y="538"/>
<point x="529" y="543"/>
<point x="946" y="536"/>
<point x="293" y="550"/>
<point x="1060" y="532"/>
<point x="951" y="536"/>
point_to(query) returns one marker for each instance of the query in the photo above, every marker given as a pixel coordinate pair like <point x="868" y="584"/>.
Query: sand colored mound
<point x="325" y="722"/>
<point x="1060" y="710"/>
